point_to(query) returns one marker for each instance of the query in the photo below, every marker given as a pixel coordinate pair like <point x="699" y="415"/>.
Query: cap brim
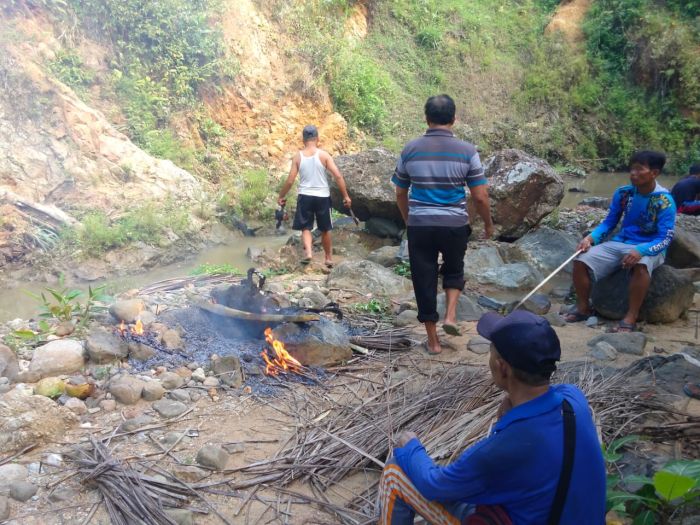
<point x="487" y="324"/>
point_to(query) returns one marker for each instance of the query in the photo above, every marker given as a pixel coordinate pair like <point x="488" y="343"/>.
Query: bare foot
<point x="434" y="349"/>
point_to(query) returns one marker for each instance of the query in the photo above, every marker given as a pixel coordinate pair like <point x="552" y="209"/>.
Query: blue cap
<point x="524" y="340"/>
<point x="309" y="132"/>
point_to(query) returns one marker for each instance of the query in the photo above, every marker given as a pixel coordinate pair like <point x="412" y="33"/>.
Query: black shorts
<point x="310" y="208"/>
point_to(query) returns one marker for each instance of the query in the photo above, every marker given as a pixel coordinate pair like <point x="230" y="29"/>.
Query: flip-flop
<point x="305" y="261"/>
<point x="329" y="265"/>
<point x="575" y="317"/>
<point x="451" y="329"/>
<point x="692" y="390"/>
<point x="427" y="349"/>
<point x="623" y="327"/>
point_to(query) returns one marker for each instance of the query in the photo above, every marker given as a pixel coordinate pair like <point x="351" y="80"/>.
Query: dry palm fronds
<point x="393" y="339"/>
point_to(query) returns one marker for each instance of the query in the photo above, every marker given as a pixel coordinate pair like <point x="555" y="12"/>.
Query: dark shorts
<point x="310" y="208"/>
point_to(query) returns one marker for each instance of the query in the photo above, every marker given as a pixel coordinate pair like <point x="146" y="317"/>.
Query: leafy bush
<point x="244" y="195"/>
<point x="373" y="306"/>
<point x="69" y="69"/>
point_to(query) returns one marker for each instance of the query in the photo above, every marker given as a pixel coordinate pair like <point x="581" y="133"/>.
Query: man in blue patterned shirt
<point x="430" y="178"/>
<point x="648" y="215"/>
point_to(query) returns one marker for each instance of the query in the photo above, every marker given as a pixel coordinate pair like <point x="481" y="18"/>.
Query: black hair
<point x="440" y="109"/>
<point x="540" y="378"/>
<point x="694" y="169"/>
<point x="654" y="160"/>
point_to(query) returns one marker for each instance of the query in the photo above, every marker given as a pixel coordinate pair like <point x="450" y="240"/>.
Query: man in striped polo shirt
<point x="430" y="178"/>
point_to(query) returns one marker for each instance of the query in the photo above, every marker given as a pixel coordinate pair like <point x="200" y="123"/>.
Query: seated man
<point x="544" y="443"/>
<point x="686" y="192"/>
<point x="648" y="217"/>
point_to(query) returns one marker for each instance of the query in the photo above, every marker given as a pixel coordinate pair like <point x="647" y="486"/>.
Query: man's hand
<point x="585" y="243"/>
<point x="404" y="437"/>
<point x="504" y="407"/>
<point x="488" y="232"/>
<point x="281" y="201"/>
<point x="631" y="259"/>
<point x="347" y="201"/>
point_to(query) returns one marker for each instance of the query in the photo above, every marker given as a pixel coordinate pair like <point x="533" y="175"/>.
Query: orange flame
<point x="138" y="328"/>
<point x="281" y="361"/>
<point x="122" y="328"/>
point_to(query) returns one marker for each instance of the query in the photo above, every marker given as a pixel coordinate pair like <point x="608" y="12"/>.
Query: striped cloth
<point x="436" y="167"/>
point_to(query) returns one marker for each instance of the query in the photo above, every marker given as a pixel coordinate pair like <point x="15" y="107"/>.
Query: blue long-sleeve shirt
<point x="647" y="220"/>
<point x="518" y="465"/>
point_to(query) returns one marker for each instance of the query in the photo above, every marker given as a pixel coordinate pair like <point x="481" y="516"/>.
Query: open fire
<point x="136" y="329"/>
<point x="278" y="360"/>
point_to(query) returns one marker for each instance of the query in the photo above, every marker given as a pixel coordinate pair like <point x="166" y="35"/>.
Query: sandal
<point x="329" y="264"/>
<point x="692" y="390"/>
<point x="427" y="349"/>
<point x="576" y="317"/>
<point x="451" y="329"/>
<point x="305" y="261"/>
<point x="623" y="327"/>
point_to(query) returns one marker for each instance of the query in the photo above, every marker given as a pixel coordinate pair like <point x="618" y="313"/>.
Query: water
<point x="603" y="184"/>
<point x="16" y="303"/>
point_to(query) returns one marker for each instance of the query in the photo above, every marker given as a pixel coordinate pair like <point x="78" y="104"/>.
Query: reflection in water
<point x="602" y="184"/>
<point x="16" y="303"/>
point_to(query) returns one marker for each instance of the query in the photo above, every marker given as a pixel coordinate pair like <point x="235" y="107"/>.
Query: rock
<point x="28" y="420"/>
<point x="105" y="347"/>
<point x="234" y="448"/>
<point x="23" y="491"/>
<point x="140" y="351"/>
<point x="4" y="508"/>
<point x="538" y="304"/>
<point x="684" y="251"/>
<point x="385" y="256"/>
<point x="523" y="190"/>
<point x="210" y="381"/>
<point x="51" y="387"/>
<point x="171" y="438"/>
<point x="76" y="406"/>
<point x="592" y="321"/>
<point x="172" y="340"/>
<point x="212" y="456"/>
<point x="477" y="260"/>
<point x="322" y="344"/>
<point x="468" y="308"/>
<point x="626" y="343"/>
<point x="136" y="423"/>
<point x="62" y="494"/>
<point x="367" y="278"/>
<point x="64" y="328"/>
<point x="188" y="473"/>
<point x="228" y="369"/>
<point x="670" y="295"/>
<point x="181" y="516"/>
<point x="385" y="228"/>
<point x="11" y="473"/>
<point x="368" y="178"/>
<point x="317" y="299"/>
<point x="405" y="318"/>
<point x="152" y="391"/>
<point x="180" y="395"/>
<point x="9" y="365"/>
<point x="199" y="375"/>
<point x="545" y="249"/>
<point x="169" y="409"/>
<point x="603" y="351"/>
<point x="479" y="345"/>
<point x="602" y="203"/>
<point x="512" y="276"/>
<point x="108" y="405"/>
<point x="63" y="356"/>
<point x="128" y="310"/>
<point x="126" y="389"/>
<point x="171" y="380"/>
<point x="79" y="387"/>
<point x="555" y="319"/>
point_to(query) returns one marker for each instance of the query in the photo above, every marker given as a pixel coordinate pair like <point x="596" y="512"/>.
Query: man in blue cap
<point x="541" y="464"/>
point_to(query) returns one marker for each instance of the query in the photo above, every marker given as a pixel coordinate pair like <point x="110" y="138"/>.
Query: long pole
<point x="522" y="301"/>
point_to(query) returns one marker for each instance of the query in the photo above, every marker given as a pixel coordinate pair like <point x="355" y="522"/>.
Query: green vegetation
<point x="672" y="493"/>
<point x="372" y="307"/>
<point x="150" y="223"/>
<point x="69" y="69"/>
<point x="216" y="269"/>
<point x="403" y="269"/>
<point x="244" y="195"/>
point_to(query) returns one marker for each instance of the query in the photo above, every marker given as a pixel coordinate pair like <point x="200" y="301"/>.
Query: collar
<point x="547" y="402"/>
<point x="438" y="132"/>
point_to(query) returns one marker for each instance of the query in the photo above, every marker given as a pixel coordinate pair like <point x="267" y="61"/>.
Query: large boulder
<point x="104" y="347"/>
<point x="477" y="260"/>
<point x="670" y="294"/>
<point x="30" y="420"/>
<point x="367" y="277"/>
<point x="324" y="344"/>
<point x="523" y="190"/>
<point x="514" y="276"/>
<point x="63" y="356"/>
<point x="684" y="251"/>
<point x="368" y="178"/>
<point x="545" y="249"/>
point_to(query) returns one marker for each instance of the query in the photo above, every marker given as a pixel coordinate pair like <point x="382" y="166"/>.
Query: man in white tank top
<point x="314" y="199"/>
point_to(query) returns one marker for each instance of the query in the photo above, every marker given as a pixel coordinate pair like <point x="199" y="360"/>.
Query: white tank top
<point x="312" y="176"/>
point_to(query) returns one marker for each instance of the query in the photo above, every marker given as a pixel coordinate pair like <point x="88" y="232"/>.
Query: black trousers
<point x="425" y="243"/>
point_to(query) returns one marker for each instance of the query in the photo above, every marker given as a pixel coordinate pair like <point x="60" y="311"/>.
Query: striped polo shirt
<point x="436" y="167"/>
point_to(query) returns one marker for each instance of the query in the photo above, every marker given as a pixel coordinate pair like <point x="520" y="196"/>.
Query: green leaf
<point x="646" y="517"/>
<point x="677" y="479"/>
<point x="638" y="480"/>
<point x="24" y="334"/>
<point x="44" y="325"/>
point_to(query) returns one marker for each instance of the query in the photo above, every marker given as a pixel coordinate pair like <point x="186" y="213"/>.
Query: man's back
<point x="519" y="465"/>
<point x="686" y="189"/>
